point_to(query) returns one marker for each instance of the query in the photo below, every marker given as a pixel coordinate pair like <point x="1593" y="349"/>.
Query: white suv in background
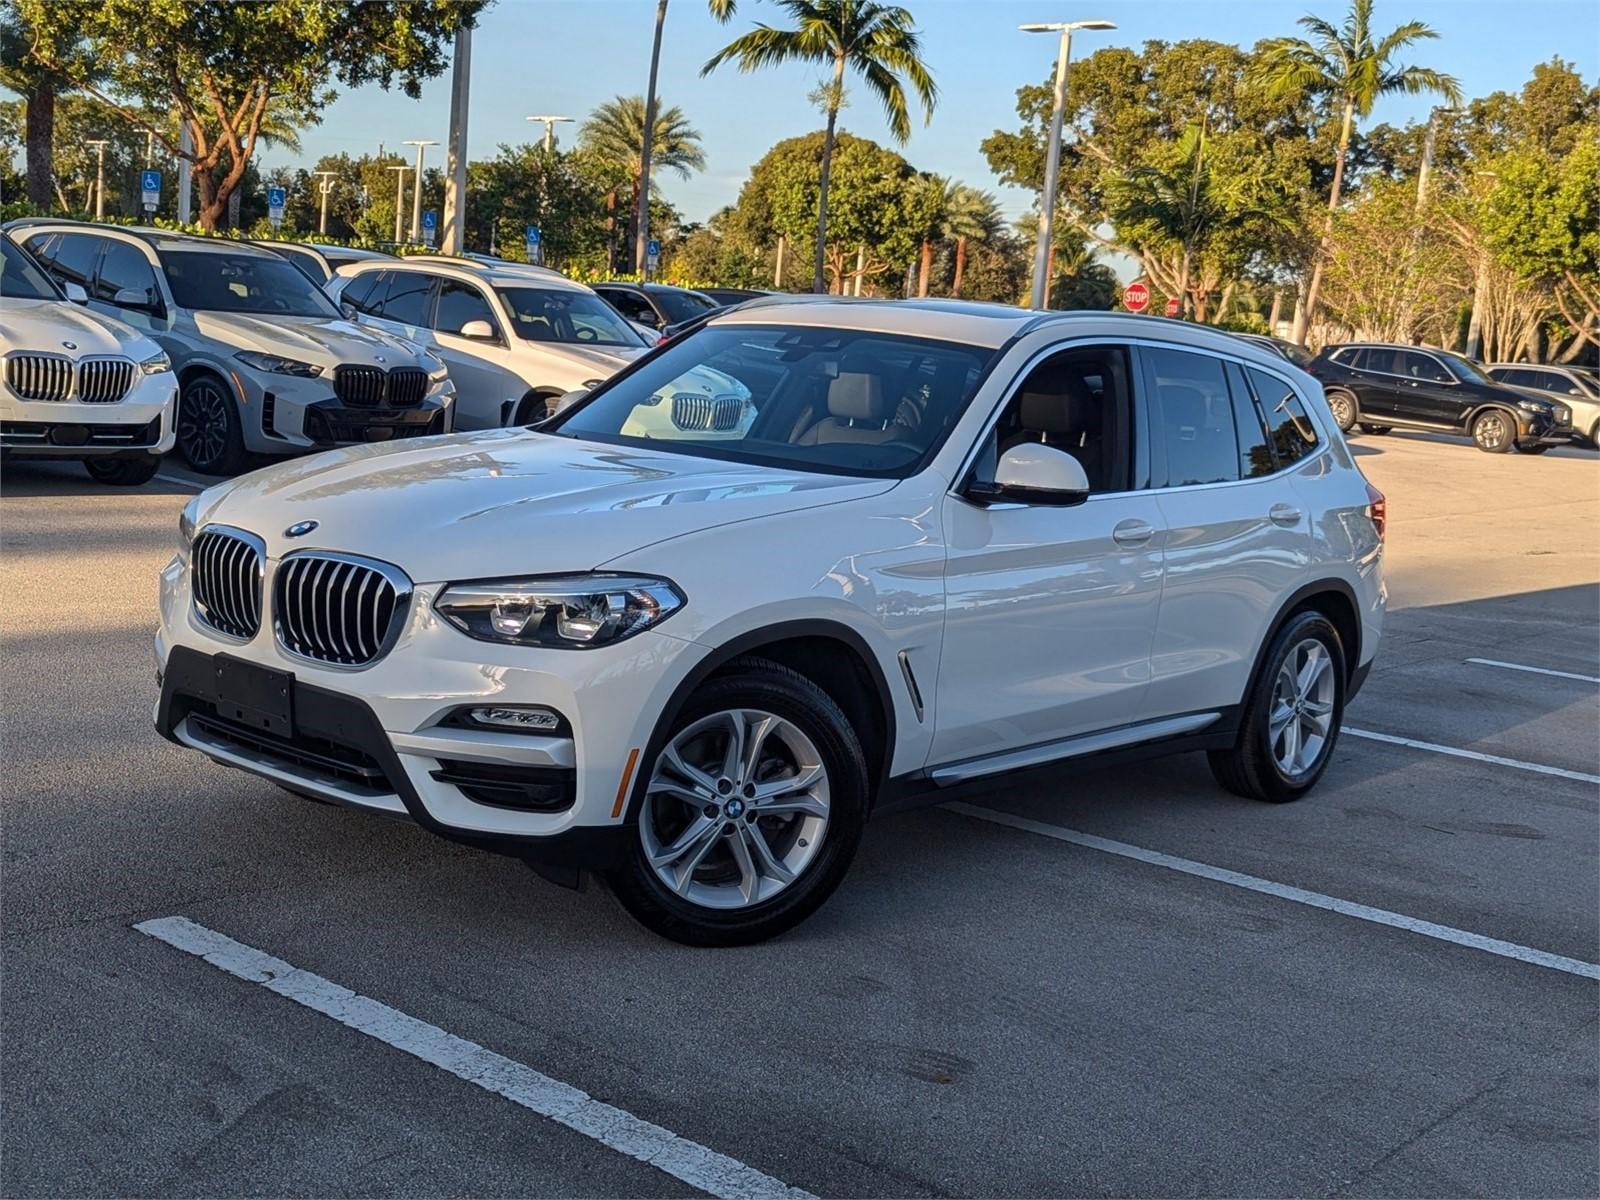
<point x="515" y="338"/>
<point x="949" y="541"/>
<point x="75" y="384"/>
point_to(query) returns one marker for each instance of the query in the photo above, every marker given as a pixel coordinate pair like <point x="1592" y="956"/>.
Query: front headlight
<point x="156" y="365"/>
<point x="277" y="364"/>
<point x="574" y="612"/>
<point x="434" y="366"/>
<point x="186" y="520"/>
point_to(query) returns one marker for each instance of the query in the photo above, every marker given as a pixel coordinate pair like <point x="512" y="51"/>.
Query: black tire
<point x="1343" y="406"/>
<point x="209" y="437"/>
<point x="754" y="683"/>
<point x="535" y="406"/>
<point x="1375" y="430"/>
<point x="1494" y="431"/>
<point x="1535" y="449"/>
<point x="1250" y="767"/>
<point x="123" y="472"/>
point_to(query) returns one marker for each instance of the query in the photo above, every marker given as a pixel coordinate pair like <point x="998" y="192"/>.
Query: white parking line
<point x="1474" y="755"/>
<point x="1348" y="908"/>
<point x="1510" y="666"/>
<point x="713" y="1173"/>
<point x="181" y="481"/>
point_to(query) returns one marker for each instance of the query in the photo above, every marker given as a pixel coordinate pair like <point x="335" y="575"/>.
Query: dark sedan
<point x="1378" y="387"/>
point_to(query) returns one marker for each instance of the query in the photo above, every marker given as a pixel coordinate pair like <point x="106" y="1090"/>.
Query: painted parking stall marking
<point x="699" y="1167"/>
<point x="1284" y="891"/>
<point x="1474" y="755"/>
<point x="1511" y="666"/>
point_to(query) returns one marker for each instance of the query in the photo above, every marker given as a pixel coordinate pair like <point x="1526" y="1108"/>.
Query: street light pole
<point x="549" y="130"/>
<point x="399" y="199"/>
<point x="1047" y="200"/>
<point x="324" y="187"/>
<point x="454" y="234"/>
<point x="100" y="180"/>
<point x="416" y="191"/>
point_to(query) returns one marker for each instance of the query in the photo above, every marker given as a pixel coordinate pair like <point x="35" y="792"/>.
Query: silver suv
<point x="265" y="361"/>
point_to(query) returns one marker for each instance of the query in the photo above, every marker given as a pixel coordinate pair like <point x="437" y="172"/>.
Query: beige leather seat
<point x="858" y="411"/>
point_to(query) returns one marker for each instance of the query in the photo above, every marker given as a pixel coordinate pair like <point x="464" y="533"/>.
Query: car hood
<point x="507" y="501"/>
<point x="606" y="361"/>
<point x="47" y="325"/>
<point x="325" y="341"/>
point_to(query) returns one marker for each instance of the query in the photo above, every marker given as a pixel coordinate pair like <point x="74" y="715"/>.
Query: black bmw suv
<point x="1378" y="387"/>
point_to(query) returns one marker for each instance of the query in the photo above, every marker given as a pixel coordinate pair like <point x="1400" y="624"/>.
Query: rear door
<point x="1238" y="534"/>
<point x="1372" y="379"/>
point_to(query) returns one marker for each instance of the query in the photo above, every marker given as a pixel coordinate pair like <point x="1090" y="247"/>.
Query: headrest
<point x="1059" y="401"/>
<point x="857" y="396"/>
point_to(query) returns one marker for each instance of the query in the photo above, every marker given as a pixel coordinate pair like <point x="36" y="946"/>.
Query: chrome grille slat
<point x="39" y="376"/>
<point x="104" y="380"/>
<point x="338" y="608"/>
<point x="226" y="575"/>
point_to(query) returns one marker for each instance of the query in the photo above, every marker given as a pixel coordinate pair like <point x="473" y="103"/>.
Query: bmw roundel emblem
<point x="300" y="529"/>
<point x="70" y="345"/>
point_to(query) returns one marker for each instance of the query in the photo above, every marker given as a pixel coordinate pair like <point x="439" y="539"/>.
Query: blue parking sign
<point x="150" y="181"/>
<point x="276" y="197"/>
<point x="430" y="220"/>
<point x="653" y="248"/>
<point x="532" y="236"/>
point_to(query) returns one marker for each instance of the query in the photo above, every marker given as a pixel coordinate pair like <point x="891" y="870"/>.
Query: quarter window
<point x="1255" y="446"/>
<point x="1293" y="435"/>
<point x="1193" y="416"/>
<point x="124" y="268"/>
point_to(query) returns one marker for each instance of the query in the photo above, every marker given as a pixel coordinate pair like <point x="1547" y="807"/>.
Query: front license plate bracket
<point x="253" y="695"/>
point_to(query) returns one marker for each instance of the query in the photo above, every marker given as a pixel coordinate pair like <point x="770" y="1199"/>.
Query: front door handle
<point x="1284" y="514"/>
<point x="1133" y="532"/>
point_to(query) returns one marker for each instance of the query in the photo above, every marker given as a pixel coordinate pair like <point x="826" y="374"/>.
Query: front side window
<point x="20" y="279"/>
<point x="552" y="315"/>
<point x="218" y="281"/>
<point x="629" y="305"/>
<point x="1422" y="367"/>
<point x="125" y="269"/>
<point x="71" y="257"/>
<point x="838" y="401"/>
<point x="1463" y="369"/>
<point x="1077" y="402"/>
<point x="1293" y="434"/>
<point x="365" y="292"/>
<point x="680" y="305"/>
<point x="309" y="266"/>
<point x="1194" y="417"/>
<point x="460" y="303"/>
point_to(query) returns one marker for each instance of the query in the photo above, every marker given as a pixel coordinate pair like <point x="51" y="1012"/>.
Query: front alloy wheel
<point x="1494" y="432"/>
<point x="208" y="427"/>
<point x="750" y="813"/>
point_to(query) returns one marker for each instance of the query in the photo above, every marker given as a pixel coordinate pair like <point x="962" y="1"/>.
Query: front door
<point x="1429" y="394"/>
<point x="487" y="388"/>
<point x="1050" y="611"/>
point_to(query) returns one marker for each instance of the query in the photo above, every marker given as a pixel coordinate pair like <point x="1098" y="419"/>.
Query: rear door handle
<point x="1133" y="532"/>
<point x="1284" y="514"/>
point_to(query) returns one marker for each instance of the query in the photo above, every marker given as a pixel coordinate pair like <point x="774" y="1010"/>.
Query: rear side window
<point x="124" y="268"/>
<point x="1353" y="357"/>
<point x="1255" y="447"/>
<point x="1293" y="435"/>
<point x="407" y="301"/>
<point x="1194" y="417"/>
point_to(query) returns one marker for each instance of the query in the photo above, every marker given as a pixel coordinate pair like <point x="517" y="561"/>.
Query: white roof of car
<point x="976" y="324"/>
<point x="504" y="274"/>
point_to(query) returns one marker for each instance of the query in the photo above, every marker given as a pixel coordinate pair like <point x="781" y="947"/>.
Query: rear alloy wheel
<point x="123" y="472"/>
<point x="1343" y="407"/>
<point x="208" y="427"/>
<point x="751" y="813"/>
<point x="1291" y="717"/>
<point x="1494" y="431"/>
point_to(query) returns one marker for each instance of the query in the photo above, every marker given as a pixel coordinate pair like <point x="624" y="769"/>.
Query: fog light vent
<point x="522" y="719"/>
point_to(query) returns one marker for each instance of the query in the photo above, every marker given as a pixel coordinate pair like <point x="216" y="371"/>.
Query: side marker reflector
<point x="622" y="787"/>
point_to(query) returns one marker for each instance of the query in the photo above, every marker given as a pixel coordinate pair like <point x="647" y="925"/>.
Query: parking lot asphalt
<point x="1388" y="988"/>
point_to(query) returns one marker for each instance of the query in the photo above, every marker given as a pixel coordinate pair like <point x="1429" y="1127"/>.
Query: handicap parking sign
<point x="276" y="199"/>
<point x="533" y="239"/>
<point x="150" y="189"/>
<point x="430" y="220"/>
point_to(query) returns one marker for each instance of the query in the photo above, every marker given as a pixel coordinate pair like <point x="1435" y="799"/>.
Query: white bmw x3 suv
<point x="74" y="384"/>
<point x="953" y="541"/>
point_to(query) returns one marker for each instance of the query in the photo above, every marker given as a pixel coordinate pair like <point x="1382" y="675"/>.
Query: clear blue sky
<point x="566" y="56"/>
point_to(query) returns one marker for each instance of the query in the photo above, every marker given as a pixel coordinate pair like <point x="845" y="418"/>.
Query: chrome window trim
<point x="404" y="591"/>
<point x="1022" y="373"/>
<point x="256" y="544"/>
<point x="1449" y="380"/>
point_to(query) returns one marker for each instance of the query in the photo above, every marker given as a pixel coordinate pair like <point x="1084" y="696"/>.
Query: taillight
<point x="1377" y="510"/>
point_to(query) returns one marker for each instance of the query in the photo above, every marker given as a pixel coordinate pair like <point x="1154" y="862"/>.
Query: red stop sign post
<point x="1172" y="306"/>
<point x="1136" y="297"/>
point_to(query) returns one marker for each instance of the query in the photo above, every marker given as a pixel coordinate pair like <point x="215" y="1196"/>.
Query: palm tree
<point x="722" y="10"/>
<point x="877" y="41"/>
<point x="1351" y="68"/>
<point x="617" y="133"/>
<point x="969" y="214"/>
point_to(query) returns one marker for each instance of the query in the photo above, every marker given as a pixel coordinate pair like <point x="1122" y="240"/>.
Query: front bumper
<point x="378" y="738"/>
<point x="287" y="413"/>
<point x="1533" y="430"/>
<point x="142" y="422"/>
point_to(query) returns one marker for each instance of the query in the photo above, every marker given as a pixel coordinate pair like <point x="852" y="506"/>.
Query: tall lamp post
<point x="324" y="186"/>
<point x="400" y="171"/>
<point x="549" y="130"/>
<point x="1052" y="165"/>
<point x="416" y="191"/>
<point x="100" y="179"/>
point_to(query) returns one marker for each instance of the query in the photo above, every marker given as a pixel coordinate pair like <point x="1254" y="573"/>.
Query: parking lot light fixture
<point x="99" y="178"/>
<point x="549" y="130"/>
<point x="416" y="191"/>
<point x="400" y="172"/>
<point x="1047" y="199"/>
<point x="324" y="186"/>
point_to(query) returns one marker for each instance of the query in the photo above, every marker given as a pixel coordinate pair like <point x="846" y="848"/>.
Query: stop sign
<point x="1136" y="297"/>
<point x="1172" y="306"/>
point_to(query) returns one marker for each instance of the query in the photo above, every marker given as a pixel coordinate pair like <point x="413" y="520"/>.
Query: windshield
<point x="1463" y="369"/>
<point x="20" y="279"/>
<point x="218" y="281"/>
<point x="681" y="305"/>
<point x="552" y="315"/>
<point x="830" y="400"/>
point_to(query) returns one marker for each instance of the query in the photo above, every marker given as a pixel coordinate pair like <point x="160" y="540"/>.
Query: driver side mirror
<point x="479" y="331"/>
<point x="75" y="293"/>
<point x="132" y="298"/>
<point x="1034" y="474"/>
